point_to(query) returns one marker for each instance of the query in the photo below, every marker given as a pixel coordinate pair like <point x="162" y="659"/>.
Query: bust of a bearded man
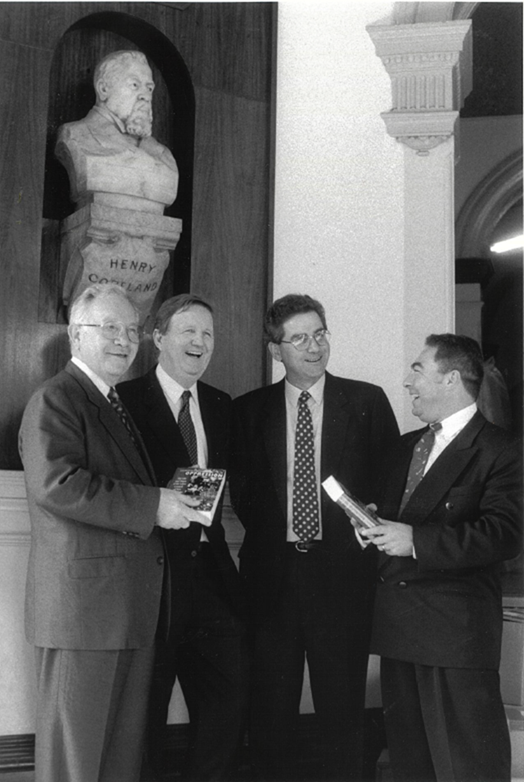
<point x="112" y="150"/>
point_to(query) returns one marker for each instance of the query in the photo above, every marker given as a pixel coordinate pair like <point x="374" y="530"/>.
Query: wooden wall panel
<point x="227" y="46"/>
<point x="24" y="347"/>
<point x="230" y="221"/>
<point x="228" y="50"/>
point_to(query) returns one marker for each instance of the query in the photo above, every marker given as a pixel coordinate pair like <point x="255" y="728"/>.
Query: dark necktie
<point x="187" y="429"/>
<point x="418" y="462"/>
<point x="305" y="498"/>
<point x="116" y="403"/>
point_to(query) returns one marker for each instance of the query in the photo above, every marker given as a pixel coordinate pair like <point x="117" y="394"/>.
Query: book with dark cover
<point x="202" y="483"/>
<point x="353" y="508"/>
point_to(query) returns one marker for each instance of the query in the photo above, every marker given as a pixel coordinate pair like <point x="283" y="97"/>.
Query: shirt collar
<point x="99" y="383"/>
<point x="454" y="423"/>
<point x="316" y="391"/>
<point x="172" y="389"/>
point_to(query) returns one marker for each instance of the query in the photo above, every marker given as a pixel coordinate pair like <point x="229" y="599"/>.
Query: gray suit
<point x="94" y="581"/>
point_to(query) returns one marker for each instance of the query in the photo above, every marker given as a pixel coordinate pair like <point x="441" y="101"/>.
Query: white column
<point x="430" y="70"/>
<point x="338" y="186"/>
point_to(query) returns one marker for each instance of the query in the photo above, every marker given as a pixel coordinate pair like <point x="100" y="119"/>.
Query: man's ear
<point x="157" y="339"/>
<point x="453" y="378"/>
<point x="101" y="89"/>
<point x="274" y="349"/>
<point x="73" y="332"/>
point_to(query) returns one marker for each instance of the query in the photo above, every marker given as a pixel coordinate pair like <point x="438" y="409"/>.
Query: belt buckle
<point x="302" y="546"/>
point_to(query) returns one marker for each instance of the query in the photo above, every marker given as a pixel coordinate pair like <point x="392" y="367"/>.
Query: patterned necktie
<point x="418" y="462"/>
<point x="305" y="498"/>
<point x="116" y="403"/>
<point x="187" y="428"/>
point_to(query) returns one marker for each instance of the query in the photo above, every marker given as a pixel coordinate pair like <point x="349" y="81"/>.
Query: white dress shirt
<point x="451" y="427"/>
<point x="173" y="392"/>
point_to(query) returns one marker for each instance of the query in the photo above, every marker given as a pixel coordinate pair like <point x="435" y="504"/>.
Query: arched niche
<point x="486" y="212"/>
<point x="498" y="192"/>
<point x="72" y="95"/>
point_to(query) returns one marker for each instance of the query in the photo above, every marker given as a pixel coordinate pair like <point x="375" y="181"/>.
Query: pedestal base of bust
<point x="103" y="243"/>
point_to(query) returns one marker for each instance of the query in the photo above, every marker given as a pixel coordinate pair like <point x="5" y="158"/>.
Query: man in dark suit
<point x="438" y="612"/>
<point x="96" y="560"/>
<point x="206" y="642"/>
<point x="310" y="584"/>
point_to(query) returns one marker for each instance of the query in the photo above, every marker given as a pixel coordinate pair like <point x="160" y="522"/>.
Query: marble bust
<point x="111" y="152"/>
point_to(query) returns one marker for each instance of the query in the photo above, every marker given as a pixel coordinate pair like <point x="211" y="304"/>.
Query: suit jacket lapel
<point x="114" y="426"/>
<point x="212" y="427"/>
<point x="162" y="421"/>
<point x="275" y="441"/>
<point x="395" y="477"/>
<point x="443" y="473"/>
<point x="337" y="414"/>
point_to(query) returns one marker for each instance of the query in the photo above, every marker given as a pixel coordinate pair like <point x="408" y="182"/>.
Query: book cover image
<point x="204" y="484"/>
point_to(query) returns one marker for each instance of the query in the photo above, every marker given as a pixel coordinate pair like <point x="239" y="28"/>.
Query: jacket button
<point x="160" y="560"/>
<point x="449" y="506"/>
<point x="194" y="553"/>
<point x="402" y="584"/>
<point x="382" y="580"/>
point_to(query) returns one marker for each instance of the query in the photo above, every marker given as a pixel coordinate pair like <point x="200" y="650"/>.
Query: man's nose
<point x="122" y="337"/>
<point x="407" y="381"/>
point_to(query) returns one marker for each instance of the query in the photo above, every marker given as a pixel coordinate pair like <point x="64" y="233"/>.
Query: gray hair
<point x="111" y="66"/>
<point x="81" y="306"/>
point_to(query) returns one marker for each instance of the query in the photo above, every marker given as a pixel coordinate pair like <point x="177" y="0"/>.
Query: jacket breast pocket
<point x="97" y="567"/>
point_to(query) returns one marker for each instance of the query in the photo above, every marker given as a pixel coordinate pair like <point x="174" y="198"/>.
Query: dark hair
<point x="175" y="304"/>
<point x="455" y="351"/>
<point x="284" y="308"/>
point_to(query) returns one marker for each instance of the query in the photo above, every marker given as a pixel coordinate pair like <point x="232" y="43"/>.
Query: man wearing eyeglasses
<point x="96" y="561"/>
<point x="310" y="584"/>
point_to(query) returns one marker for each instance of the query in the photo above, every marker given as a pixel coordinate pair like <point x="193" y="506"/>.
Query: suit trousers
<point x="91" y="714"/>
<point x="444" y="724"/>
<point x="206" y="650"/>
<point x="308" y="623"/>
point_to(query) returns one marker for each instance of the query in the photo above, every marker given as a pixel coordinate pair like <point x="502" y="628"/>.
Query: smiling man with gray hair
<point x="96" y="563"/>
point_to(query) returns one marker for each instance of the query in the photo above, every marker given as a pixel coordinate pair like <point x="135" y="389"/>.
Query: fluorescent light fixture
<point x="507" y="245"/>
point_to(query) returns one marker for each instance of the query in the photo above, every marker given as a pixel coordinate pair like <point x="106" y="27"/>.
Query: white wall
<point x="339" y="186"/>
<point x="17" y="672"/>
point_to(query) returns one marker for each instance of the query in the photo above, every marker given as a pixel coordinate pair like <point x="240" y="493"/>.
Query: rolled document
<point x="353" y="508"/>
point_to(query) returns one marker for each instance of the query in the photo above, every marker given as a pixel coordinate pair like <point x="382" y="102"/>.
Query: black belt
<point x="304" y="546"/>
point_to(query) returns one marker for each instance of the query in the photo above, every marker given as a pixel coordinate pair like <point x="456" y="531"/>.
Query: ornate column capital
<point x="430" y="66"/>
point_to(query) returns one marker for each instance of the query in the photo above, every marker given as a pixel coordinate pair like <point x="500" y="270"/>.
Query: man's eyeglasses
<point x="303" y="341"/>
<point x="114" y="330"/>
